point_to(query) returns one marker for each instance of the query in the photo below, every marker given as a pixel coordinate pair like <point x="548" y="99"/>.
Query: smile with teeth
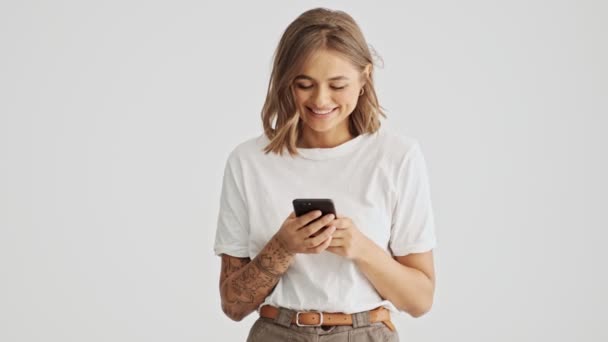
<point x="322" y="112"/>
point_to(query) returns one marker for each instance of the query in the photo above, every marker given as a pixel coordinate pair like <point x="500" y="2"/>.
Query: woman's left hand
<point x="347" y="240"/>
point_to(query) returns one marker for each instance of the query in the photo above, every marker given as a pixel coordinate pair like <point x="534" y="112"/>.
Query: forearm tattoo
<point x="231" y="265"/>
<point x="244" y="284"/>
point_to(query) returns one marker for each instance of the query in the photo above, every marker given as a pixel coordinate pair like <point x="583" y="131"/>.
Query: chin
<point x="323" y="127"/>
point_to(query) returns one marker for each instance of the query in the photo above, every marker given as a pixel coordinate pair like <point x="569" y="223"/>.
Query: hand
<point x="347" y="240"/>
<point x="296" y="233"/>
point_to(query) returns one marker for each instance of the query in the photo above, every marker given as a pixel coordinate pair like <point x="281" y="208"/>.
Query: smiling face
<point x="326" y="92"/>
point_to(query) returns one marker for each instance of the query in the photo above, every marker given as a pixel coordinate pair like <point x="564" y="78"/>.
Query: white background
<point x="116" y="118"/>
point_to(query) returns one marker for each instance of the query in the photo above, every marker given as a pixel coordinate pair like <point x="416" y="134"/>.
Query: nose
<point x="321" y="97"/>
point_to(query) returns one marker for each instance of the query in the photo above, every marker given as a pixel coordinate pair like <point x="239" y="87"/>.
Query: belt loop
<point x="285" y="316"/>
<point x="361" y="319"/>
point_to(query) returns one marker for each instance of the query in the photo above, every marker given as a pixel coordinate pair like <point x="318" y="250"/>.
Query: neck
<point x="313" y="139"/>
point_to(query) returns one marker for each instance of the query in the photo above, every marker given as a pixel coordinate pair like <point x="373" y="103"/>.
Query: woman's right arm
<point x="244" y="284"/>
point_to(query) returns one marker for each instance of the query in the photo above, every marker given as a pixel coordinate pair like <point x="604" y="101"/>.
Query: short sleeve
<point x="232" y="234"/>
<point x="413" y="223"/>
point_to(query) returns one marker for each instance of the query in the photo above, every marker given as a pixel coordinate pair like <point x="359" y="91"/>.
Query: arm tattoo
<point x="245" y="283"/>
<point x="230" y="265"/>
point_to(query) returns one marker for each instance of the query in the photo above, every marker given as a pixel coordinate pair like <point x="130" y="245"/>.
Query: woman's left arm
<point x="407" y="281"/>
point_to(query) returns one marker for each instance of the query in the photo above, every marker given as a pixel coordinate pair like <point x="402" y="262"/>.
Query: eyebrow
<point x="335" y="78"/>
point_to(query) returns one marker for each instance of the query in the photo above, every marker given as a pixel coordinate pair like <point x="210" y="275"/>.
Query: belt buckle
<point x="309" y="325"/>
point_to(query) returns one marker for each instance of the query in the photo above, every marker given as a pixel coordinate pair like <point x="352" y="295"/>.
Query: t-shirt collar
<point x="323" y="153"/>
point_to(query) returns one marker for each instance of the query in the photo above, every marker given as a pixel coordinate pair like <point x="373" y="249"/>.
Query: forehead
<point x="324" y="64"/>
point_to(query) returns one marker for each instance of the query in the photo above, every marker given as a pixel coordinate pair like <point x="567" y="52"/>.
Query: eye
<point x="310" y="86"/>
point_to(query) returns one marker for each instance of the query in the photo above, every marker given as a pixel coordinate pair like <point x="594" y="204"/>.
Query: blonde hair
<point x="313" y="30"/>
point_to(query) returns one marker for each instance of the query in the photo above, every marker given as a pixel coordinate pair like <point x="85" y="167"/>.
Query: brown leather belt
<point x="317" y="318"/>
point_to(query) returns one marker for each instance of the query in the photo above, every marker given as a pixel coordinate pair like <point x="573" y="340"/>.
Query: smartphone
<point x="303" y="205"/>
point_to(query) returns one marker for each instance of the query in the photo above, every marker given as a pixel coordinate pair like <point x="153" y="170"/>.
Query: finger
<point x="308" y="217"/>
<point x="321" y="247"/>
<point x="312" y="242"/>
<point x="334" y="250"/>
<point x="292" y="215"/>
<point x="313" y="227"/>
<point x="338" y="234"/>
<point x="341" y="223"/>
<point x="304" y="236"/>
<point x="336" y="242"/>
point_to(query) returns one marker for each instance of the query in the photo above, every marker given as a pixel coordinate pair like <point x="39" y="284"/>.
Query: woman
<point x="311" y="276"/>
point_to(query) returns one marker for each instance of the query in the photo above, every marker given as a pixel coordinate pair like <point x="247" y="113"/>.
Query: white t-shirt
<point x="378" y="180"/>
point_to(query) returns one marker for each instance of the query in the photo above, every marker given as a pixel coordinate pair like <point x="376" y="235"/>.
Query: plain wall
<point x="116" y="119"/>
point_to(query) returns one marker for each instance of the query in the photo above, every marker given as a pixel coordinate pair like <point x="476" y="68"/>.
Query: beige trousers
<point x="280" y="329"/>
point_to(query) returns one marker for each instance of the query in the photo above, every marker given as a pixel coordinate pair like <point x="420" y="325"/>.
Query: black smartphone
<point x="303" y="205"/>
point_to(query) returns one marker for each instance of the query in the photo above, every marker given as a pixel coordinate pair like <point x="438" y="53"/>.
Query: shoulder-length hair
<point x="316" y="29"/>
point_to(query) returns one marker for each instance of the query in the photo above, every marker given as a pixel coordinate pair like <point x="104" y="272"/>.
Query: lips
<point x="321" y="113"/>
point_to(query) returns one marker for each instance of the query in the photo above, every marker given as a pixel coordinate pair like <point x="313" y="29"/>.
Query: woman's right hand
<point x="301" y="235"/>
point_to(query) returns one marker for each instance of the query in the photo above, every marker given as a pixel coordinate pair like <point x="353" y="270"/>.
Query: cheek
<point x="348" y="99"/>
<point x="300" y="97"/>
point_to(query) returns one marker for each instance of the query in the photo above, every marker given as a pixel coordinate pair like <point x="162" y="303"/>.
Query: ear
<point x="366" y="72"/>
